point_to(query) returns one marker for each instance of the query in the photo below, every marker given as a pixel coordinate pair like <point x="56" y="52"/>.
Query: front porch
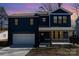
<point x="54" y="37"/>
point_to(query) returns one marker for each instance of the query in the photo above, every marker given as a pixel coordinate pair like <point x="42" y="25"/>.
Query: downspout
<point x="49" y="18"/>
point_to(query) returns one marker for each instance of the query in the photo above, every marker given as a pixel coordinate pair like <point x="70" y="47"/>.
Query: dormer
<point x="60" y="18"/>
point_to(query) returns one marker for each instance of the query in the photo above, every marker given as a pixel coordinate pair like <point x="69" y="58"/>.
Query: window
<point x="4" y="35"/>
<point x="31" y="21"/>
<point x="61" y="34"/>
<point x="65" y="34"/>
<point x="64" y="19"/>
<point x="55" y="19"/>
<point x="44" y="19"/>
<point x="56" y="34"/>
<point x="59" y="19"/>
<point x="16" y="21"/>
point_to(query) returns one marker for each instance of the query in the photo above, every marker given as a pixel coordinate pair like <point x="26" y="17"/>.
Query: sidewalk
<point x="7" y="51"/>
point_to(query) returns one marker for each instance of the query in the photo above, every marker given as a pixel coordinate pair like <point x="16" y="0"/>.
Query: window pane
<point x="55" y="19"/>
<point x="64" y="19"/>
<point x="4" y="35"/>
<point x="59" y="19"/>
<point x="43" y="19"/>
<point x="56" y="34"/>
<point x="31" y="21"/>
<point x="65" y="33"/>
<point x="16" y="21"/>
<point x="61" y="34"/>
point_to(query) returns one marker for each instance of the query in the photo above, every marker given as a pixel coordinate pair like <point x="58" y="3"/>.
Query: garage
<point x="23" y="39"/>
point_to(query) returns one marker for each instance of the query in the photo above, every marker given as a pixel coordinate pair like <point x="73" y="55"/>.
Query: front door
<point x="44" y="37"/>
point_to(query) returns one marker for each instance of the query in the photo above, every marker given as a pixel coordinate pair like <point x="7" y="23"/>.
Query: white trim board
<point x="55" y="28"/>
<point x="61" y="43"/>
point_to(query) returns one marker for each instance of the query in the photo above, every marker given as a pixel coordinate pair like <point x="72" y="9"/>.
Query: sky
<point x="13" y="8"/>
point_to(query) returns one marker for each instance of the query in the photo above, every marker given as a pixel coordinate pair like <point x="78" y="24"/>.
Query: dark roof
<point x="62" y="10"/>
<point x="23" y="15"/>
<point x="28" y="15"/>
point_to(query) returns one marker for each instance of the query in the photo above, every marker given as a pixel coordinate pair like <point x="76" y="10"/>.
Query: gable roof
<point x="62" y="10"/>
<point x="28" y="14"/>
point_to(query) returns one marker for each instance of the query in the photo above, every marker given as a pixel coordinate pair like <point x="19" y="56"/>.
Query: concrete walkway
<point x="7" y="51"/>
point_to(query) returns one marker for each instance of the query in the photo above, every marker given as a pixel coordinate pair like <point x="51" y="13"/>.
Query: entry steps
<point x="61" y="44"/>
<point x="55" y="44"/>
<point x="44" y="44"/>
<point x="60" y="40"/>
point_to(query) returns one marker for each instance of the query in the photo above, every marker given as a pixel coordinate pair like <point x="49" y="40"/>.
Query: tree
<point x="48" y="7"/>
<point x="3" y="18"/>
<point x="76" y="6"/>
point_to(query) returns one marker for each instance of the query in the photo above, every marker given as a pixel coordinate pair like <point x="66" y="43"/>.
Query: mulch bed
<point x="54" y="52"/>
<point x="3" y="43"/>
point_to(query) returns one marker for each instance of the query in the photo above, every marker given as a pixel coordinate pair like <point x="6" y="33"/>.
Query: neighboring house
<point x="3" y="19"/>
<point x="4" y="36"/>
<point x="35" y="29"/>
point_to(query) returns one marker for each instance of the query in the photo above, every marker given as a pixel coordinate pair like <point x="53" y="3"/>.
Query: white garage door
<point x="24" y="39"/>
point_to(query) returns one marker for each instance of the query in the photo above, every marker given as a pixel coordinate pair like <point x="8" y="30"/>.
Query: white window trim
<point x="44" y="19"/>
<point x="31" y="21"/>
<point x="16" y="21"/>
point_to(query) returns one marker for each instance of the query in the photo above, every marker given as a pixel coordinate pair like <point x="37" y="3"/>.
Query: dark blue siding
<point x="43" y="24"/>
<point x="23" y="25"/>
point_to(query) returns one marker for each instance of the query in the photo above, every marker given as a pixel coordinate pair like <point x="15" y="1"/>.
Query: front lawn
<point x="60" y="51"/>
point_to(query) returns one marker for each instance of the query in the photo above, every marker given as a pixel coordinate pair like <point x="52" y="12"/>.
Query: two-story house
<point x="39" y="28"/>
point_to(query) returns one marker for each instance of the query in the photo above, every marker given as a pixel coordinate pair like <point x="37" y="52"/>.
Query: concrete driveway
<point x="7" y="51"/>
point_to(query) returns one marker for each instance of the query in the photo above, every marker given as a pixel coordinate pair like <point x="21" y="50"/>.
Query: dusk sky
<point x="13" y="8"/>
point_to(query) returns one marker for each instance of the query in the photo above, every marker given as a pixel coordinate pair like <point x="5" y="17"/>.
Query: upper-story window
<point x="55" y="19"/>
<point x="64" y="19"/>
<point x="59" y="19"/>
<point x="16" y="21"/>
<point x="31" y="21"/>
<point x="44" y="19"/>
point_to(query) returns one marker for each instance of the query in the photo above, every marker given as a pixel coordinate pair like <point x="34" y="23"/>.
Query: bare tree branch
<point x="76" y="6"/>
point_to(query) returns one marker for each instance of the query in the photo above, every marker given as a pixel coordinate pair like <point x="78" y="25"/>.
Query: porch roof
<point x="55" y="28"/>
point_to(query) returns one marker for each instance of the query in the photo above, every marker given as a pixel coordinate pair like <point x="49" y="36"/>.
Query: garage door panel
<point x="23" y="38"/>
